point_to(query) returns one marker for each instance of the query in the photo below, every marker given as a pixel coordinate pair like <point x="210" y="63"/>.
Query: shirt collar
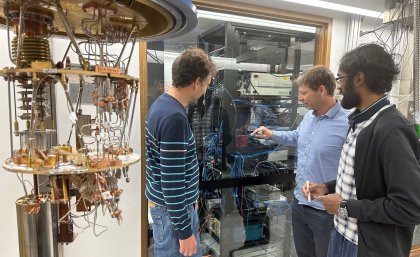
<point x="331" y="112"/>
<point x="357" y="116"/>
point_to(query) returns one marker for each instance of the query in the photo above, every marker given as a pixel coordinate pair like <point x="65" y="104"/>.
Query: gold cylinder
<point x="32" y="50"/>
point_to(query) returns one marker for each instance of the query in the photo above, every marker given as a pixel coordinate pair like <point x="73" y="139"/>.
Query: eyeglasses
<point x="338" y="79"/>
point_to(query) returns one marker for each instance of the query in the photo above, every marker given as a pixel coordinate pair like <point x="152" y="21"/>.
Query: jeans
<point x="166" y="242"/>
<point x="311" y="230"/>
<point x="340" y="246"/>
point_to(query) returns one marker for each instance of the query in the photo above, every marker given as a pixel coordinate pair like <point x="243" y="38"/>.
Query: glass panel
<point x="246" y="183"/>
<point x="155" y="71"/>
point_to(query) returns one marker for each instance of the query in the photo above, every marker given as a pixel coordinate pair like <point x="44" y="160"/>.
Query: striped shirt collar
<point x="357" y="116"/>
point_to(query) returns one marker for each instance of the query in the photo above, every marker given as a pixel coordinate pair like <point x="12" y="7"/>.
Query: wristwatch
<point x="342" y="210"/>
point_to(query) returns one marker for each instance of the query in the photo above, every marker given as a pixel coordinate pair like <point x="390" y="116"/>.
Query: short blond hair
<point x="316" y="76"/>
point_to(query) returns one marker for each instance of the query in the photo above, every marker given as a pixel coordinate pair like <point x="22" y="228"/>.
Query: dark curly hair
<point x="191" y="64"/>
<point x="316" y="76"/>
<point x="375" y="62"/>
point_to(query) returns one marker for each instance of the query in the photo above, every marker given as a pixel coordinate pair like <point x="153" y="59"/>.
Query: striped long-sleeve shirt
<point x="171" y="162"/>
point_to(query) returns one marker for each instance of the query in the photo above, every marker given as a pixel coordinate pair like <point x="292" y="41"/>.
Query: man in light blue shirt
<point x="319" y="140"/>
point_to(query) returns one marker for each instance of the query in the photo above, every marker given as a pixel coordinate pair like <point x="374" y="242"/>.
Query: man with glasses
<point x="340" y="77"/>
<point x="376" y="196"/>
<point x="319" y="139"/>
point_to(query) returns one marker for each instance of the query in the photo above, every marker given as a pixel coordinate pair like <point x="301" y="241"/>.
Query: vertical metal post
<point x="416" y="66"/>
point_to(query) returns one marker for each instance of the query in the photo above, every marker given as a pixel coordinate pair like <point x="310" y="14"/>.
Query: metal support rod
<point x="78" y="131"/>
<point x="80" y="94"/>
<point x="52" y="107"/>
<point x="35" y="177"/>
<point x="416" y="61"/>
<point x="296" y="72"/>
<point x="34" y="116"/>
<point x="125" y="44"/>
<point x="66" y="91"/>
<point x="78" y="103"/>
<point x="20" y="38"/>
<point x="16" y="124"/>
<point x="70" y="34"/>
<point x="132" y="113"/>
<point x="126" y="117"/>
<point x="65" y="54"/>
<point x="101" y="54"/>
<point x="10" y="117"/>
<point x="129" y="58"/>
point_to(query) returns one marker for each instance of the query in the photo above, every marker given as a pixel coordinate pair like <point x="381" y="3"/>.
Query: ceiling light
<point x="338" y="7"/>
<point x="254" y="21"/>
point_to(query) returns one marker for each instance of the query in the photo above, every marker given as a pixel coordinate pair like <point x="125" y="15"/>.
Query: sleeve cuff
<point x="184" y="234"/>
<point x="330" y="186"/>
<point x="353" y="207"/>
<point x="277" y="136"/>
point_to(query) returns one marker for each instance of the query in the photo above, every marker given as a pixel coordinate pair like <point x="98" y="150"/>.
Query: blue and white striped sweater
<point x="171" y="162"/>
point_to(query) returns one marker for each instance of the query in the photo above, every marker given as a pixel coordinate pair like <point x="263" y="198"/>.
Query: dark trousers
<point x="340" y="246"/>
<point x="311" y="230"/>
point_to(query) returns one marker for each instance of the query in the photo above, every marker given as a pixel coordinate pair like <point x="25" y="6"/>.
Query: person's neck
<point x="326" y="106"/>
<point x="179" y="94"/>
<point x="368" y="100"/>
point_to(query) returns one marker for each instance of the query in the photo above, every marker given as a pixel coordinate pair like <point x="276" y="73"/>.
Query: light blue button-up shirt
<point x="319" y="141"/>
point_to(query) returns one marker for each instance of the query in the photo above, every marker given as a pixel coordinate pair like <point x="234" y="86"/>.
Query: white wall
<point x="10" y="187"/>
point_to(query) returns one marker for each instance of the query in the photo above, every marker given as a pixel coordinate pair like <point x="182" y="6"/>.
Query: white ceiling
<point x="374" y="5"/>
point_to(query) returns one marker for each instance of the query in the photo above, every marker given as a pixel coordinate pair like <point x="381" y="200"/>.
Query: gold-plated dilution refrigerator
<point x="75" y="169"/>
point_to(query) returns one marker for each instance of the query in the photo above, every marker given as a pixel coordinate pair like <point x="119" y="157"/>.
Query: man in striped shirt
<point x="171" y="164"/>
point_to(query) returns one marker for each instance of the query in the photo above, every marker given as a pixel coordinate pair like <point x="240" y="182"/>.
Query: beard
<point x="350" y="98"/>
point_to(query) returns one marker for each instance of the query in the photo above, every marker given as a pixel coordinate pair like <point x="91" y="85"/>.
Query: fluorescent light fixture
<point x="221" y="62"/>
<point x="254" y="21"/>
<point x="338" y="7"/>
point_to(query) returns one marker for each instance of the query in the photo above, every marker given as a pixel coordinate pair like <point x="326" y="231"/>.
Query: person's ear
<point x="359" y="79"/>
<point x="194" y="84"/>
<point x="197" y="82"/>
<point x="322" y="90"/>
